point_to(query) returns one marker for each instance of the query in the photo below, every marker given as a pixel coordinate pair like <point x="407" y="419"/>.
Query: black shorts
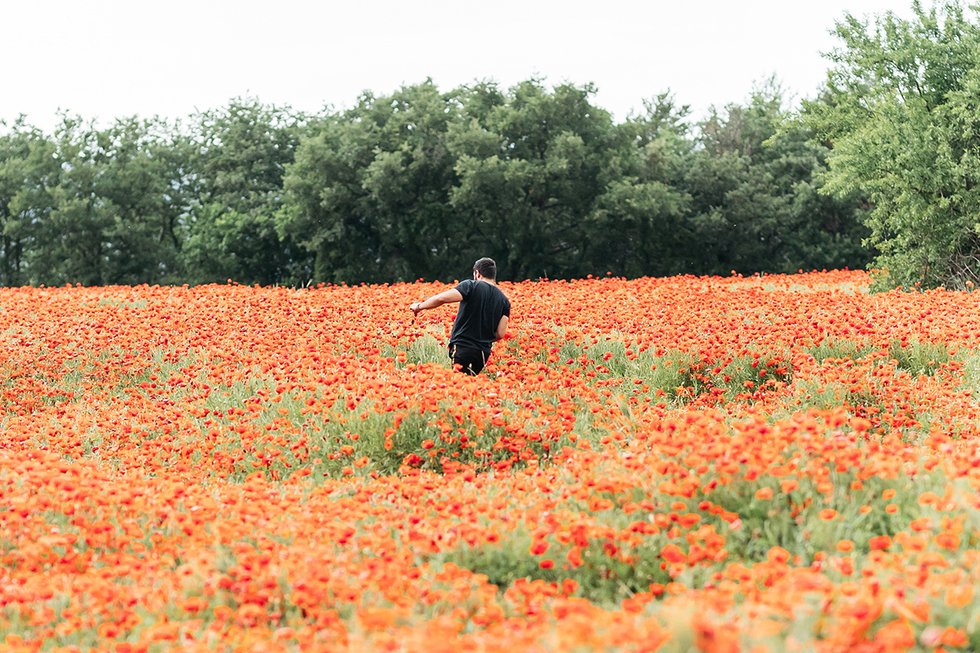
<point x="470" y="361"/>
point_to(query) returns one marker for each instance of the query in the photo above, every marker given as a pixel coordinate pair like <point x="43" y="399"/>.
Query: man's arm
<point x="501" y="328"/>
<point x="437" y="300"/>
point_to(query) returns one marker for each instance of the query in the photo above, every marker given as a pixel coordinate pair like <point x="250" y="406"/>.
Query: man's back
<point x="479" y="314"/>
<point x="483" y="316"/>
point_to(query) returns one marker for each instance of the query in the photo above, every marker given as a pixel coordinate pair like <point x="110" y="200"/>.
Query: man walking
<point x="481" y="320"/>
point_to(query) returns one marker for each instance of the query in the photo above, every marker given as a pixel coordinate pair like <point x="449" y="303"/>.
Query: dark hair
<point x="486" y="267"/>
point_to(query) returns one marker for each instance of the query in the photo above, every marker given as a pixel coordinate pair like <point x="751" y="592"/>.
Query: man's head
<point x="486" y="268"/>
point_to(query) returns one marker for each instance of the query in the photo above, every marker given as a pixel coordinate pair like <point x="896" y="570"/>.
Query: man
<point x="481" y="320"/>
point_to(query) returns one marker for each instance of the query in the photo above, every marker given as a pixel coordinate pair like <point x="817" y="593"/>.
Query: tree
<point x="108" y="210"/>
<point x="531" y="164"/>
<point x="137" y="184"/>
<point x="28" y="172"/>
<point x="639" y="224"/>
<point x="900" y="107"/>
<point x="239" y="162"/>
<point x="368" y="192"/>
<point x="752" y="183"/>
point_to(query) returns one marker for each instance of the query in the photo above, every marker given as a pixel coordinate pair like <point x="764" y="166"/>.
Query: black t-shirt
<point x="479" y="314"/>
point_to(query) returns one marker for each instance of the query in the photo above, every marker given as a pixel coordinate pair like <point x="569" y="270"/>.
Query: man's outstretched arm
<point x="437" y="300"/>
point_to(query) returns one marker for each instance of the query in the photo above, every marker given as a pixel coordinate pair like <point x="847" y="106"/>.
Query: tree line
<point x="421" y="182"/>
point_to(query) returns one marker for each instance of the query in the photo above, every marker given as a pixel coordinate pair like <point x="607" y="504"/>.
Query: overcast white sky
<point x="103" y="59"/>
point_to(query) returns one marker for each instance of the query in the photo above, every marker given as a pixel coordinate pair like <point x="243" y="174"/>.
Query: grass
<point x="808" y="522"/>
<point x="970" y="361"/>
<point x="917" y="357"/>
<point x="600" y="577"/>
<point x="840" y="348"/>
<point x="675" y="377"/>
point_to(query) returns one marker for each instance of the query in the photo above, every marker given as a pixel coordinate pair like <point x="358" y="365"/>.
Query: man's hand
<point x="445" y="297"/>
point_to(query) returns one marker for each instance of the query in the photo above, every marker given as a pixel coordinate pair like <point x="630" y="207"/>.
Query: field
<point x="774" y="463"/>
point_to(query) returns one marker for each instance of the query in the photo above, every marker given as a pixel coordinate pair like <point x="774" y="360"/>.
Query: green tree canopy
<point x="92" y="206"/>
<point x="239" y="157"/>
<point x="531" y="164"/>
<point x="419" y="183"/>
<point x="29" y="170"/>
<point x="638" y="225"/>
<point x="900" y="108"/>
<point x="755" y="207"/>
<point x="368" y="192"/>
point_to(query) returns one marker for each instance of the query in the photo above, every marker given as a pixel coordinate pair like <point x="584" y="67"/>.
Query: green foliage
<point x="970" y="360"/>
<point x="755" y="188"/>
<point x="91" y="206"/>
<point x="427" y="349"/>
<point x="918" y="357"/>
<point x="419" y="183"/>
<point x="808" y="519"/>
<point x="675" y="376"/>
<point x="241" y="156"/>
<point x="900" y="110"/>
<point x="829" y="395"/>
<point x="639" y="224"/>
<point x="867" y="393"/>
<point x="553" y="160"/>
<point x="792" y="520"/>
<point x="601" y="578"/>
<point x="368" y="193"/>
<point x="840" y="348"/>
<point x="28" y="172"/>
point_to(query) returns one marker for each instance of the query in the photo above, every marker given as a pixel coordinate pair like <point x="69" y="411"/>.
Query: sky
<point x="106" y="59"/>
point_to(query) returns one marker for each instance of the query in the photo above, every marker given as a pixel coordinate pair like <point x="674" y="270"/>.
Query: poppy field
<point x="768" y="463"/>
